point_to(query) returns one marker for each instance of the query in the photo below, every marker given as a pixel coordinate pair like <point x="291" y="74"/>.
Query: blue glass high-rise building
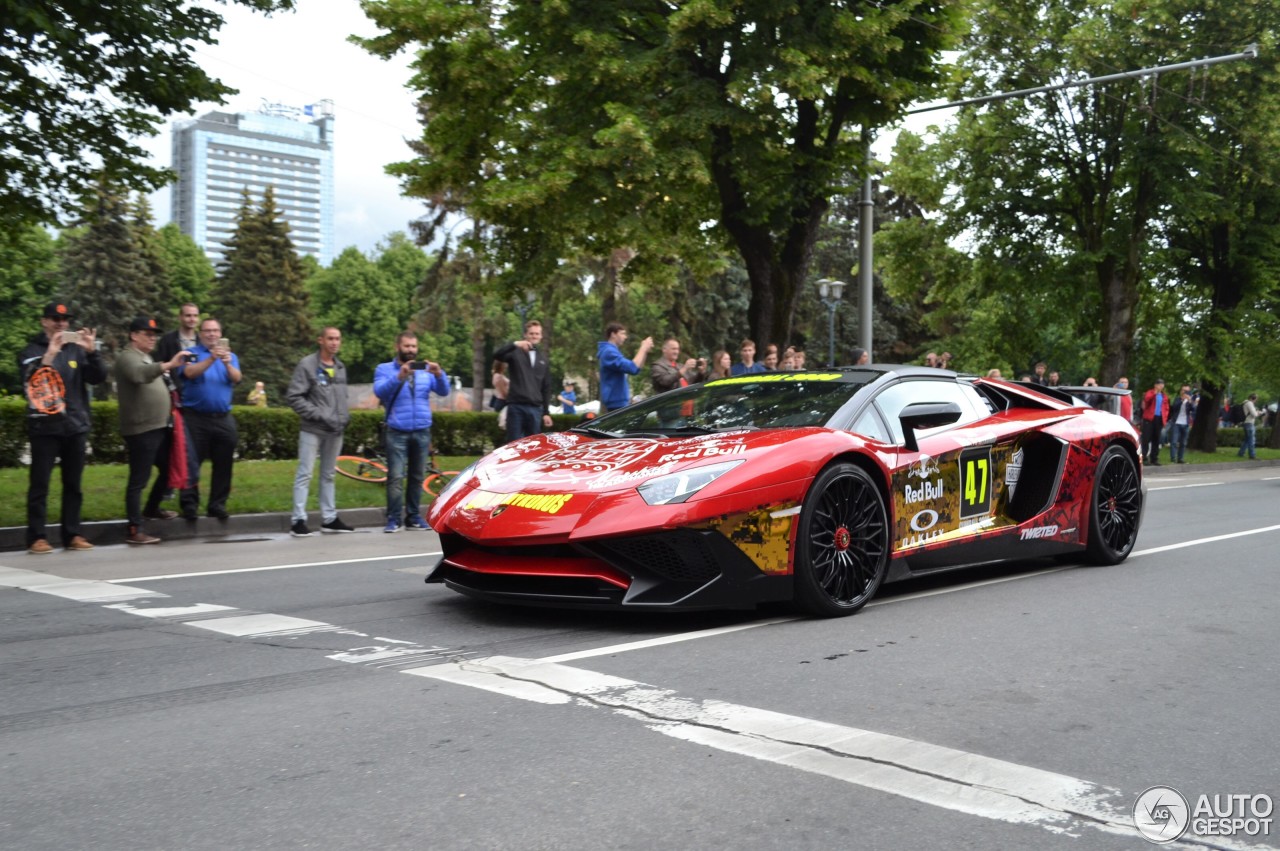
<point x="220" y="154"/>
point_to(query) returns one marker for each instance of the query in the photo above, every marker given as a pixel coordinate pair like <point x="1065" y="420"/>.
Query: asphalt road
<point x="269" y="692"/>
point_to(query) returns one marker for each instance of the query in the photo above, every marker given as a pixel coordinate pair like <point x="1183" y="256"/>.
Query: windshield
<point x="765" y="400"/>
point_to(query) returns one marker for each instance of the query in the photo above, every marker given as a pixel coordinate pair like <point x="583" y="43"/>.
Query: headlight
<point x="456" y="482"/>
<point x="678" y="487"/>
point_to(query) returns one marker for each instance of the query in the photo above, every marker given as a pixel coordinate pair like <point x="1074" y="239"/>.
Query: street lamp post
<point x="829" y="293"/>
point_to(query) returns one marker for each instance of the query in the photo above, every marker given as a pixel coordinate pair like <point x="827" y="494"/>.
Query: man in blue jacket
<point x="615" y="388"/>
<point x="404" y="386"/>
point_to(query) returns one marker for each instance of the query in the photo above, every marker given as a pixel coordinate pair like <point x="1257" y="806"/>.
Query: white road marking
<point x="1199" y="541"/>
<point x="666" y="639"/>
<point x="940" y="776"/>
<point x="1270" y="478"/>
<point x="1181" y="487"/>
<point x="80" y="590"/>
<point x="273" y="567"/>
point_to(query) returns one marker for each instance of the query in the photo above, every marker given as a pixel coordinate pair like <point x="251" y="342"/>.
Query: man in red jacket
<point x="1155" y="413"/>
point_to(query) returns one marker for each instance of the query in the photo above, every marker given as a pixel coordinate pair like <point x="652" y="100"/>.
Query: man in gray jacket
<point x="318" y="393"/>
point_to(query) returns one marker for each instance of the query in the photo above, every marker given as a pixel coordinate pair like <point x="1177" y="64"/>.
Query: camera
<point x="189" y="358"/>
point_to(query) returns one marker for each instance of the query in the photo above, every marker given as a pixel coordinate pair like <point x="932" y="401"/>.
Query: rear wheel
<point x="842" y="547"/>
<point x="1116" y="506"/>
<point x="361" y="469"/>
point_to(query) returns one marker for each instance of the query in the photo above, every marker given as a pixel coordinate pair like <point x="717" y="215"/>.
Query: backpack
<point x="1237" y="413"/>
<point x="46" y="393"/>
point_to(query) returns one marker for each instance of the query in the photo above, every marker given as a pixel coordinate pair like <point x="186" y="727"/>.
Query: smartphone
<point x="190" y="358"/>
<point x="70" y="338"/>
<point x="224" y="343"/>
<point x="417" y="364"/>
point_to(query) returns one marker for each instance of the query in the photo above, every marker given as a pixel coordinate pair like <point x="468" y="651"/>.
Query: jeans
<point x="523" y="420"/>
<point x="309" y="445"/>
<point x="1249" y="445"/>
<point x="406" y="449"/>
<point x="1177" y="442"/>
<point x="146" y="450"/>
<point x="47" y="450"/>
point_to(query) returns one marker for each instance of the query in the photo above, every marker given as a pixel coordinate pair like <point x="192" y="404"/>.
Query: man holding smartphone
<point x="208" y="378"/>
<point x="404" y="387"/>
<point x="57" y="368"/>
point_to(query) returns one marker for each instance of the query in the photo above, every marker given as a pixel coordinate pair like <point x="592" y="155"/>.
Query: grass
<point x="256" y="487"/>
<point x="1224" y="455"/>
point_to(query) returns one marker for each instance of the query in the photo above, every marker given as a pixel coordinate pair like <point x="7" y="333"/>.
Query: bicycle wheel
<point x="362" y="469"/>
<point x="434" y="483"/>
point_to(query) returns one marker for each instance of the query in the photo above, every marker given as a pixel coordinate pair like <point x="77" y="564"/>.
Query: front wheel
<point x="842" y="545"/>
<point x="361" y="469"/>
<point x="1115" y="509"/>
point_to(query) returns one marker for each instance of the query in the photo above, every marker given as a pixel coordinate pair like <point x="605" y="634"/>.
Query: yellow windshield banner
<point x="764" y="377"/>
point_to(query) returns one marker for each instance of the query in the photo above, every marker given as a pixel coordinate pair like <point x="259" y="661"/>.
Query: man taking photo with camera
<point x="404" y="387"/>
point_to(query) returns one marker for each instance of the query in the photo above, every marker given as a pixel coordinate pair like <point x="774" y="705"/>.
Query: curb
<point x="1169" y="469"/>
<point x="106" y="532"/>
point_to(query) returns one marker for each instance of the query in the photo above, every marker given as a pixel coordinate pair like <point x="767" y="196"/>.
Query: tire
<point x="842" y="545"/>
<point x="436" y="482"/>
<point x="362" y="469"/>
<point x="1115" y="508"/>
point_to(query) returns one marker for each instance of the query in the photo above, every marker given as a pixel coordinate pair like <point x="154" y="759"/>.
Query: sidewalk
<point x="13" y="538"/>
<point x="103" y="532"/>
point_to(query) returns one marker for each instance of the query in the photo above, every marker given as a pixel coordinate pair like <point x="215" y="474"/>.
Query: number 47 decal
<point x="975" y="482"/>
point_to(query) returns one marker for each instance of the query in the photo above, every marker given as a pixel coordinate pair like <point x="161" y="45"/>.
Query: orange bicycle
<point x="374" y="471"/>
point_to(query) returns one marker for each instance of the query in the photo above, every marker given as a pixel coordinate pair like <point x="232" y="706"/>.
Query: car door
<point x="952" y="486"/>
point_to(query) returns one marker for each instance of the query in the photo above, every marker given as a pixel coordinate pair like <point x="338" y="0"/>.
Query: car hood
<point x="584" y="464"/>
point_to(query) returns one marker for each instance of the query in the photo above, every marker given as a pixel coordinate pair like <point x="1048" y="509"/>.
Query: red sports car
<point x="812" y="487"/>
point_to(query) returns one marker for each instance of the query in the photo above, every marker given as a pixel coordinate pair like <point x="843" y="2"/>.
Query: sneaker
<point x="78" y="542"/>
<point x="391" y="527"/>
<point x="137" y="536"/>
<point x="160" y="514"/>
<point x="39" y="547"/>
<point x="415" y="524"/>
<point x="335" y="525"/>
<point x="299" y="529"/>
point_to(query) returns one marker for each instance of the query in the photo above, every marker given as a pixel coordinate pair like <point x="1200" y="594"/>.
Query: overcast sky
<point x="303" y="57"/>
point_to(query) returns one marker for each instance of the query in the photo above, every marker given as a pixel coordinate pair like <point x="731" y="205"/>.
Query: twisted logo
<point x="1161" y="814"/>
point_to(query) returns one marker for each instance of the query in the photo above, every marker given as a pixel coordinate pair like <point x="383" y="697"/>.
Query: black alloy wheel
<point x="1117" y="505"/>
<point x="842" y="549"/>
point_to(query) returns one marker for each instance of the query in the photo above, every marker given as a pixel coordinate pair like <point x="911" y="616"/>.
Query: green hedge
<point x="1233" y="436"/>
<point x="272" y="433"/>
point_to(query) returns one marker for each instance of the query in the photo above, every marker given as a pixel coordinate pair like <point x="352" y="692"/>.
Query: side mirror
<point x="926" y="415"/>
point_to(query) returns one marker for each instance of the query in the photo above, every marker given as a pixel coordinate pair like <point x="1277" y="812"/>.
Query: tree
<point x="260" y="299"/>
<point x="190" y="271"/>
<point x="581" y="127"/>
<point x="358" y="296"/>
<point x="28" y="279"/>
<point x="106" y="276"/>
<point x="81" y="81"/>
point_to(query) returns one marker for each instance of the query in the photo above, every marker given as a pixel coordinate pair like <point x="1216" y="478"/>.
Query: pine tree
<point x="260" y="299"/>
<point x="106" y="277"/>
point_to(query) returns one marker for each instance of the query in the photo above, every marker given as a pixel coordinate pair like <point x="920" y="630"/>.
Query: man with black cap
<point x="57" y="368"/>
<point x="146" y="423"/>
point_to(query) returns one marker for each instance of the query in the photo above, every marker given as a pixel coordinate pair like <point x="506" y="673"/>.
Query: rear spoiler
<point x="1102" y="398"/>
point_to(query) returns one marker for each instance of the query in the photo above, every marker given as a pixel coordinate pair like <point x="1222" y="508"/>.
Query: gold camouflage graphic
<point x="763" y="538"/>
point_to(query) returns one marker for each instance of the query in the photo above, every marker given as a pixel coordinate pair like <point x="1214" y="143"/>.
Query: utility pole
<point x="867" y="205"/>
